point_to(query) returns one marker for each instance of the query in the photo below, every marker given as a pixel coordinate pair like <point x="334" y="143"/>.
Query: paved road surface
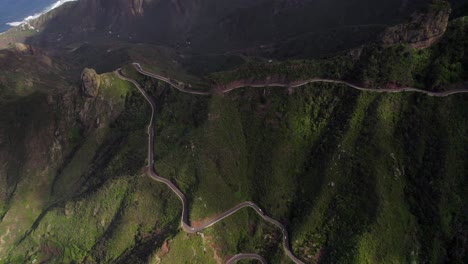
<point x="320" y="80"/>
<point x="227" y="88"/>
<point x="176" y="84"/>
<point x="184" y="218"/>
<point x="246" y="256"/>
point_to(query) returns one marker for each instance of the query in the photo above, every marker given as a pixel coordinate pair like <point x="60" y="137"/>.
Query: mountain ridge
<point x="354" y="176"/>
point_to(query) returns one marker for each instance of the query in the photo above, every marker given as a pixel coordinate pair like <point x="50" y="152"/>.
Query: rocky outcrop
<point x="90" y="82"/>
<point x="137" y="7"/>
<point x="423" y="30"/>
<point x="21" y="48"/>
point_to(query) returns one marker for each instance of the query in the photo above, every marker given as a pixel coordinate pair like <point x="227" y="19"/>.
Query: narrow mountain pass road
<point x="184" y="218"/>
<point x="229" y="87"/>
<point x="226" y="88"/>
<point x="175" y="84"/>
<point x="240" y="257"/>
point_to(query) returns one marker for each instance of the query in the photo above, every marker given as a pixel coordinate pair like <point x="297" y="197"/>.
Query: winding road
<point x="184" y="218"/>
<point x="176" y="84"/>
<point x="228" y="88"/>
<point x="239" y="257"/>
<point x="225" y="89"/>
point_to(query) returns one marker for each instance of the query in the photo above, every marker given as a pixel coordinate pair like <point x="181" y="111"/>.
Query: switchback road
<point x="184" y="218"/>
<point x="225" y="89"/>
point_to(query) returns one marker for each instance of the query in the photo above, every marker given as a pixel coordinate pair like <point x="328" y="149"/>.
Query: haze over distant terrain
<point x="13" y="12"/>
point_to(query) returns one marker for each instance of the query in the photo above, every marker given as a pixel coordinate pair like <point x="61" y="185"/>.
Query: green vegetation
<point x="449" y="64"/>
<point x="74" y="209"/>
<point x="103" y="226"/>
<point x="24" y="74"/>
<point x="75" y="136"/>
<point x="330" y="151"/>
<point x="434" y="68"/>
<point x="335" y="67"/>
<point x="114" y="88"/>
<point x="355" y="177"/>
<point x="349" y="195"/>
<point x="186" y="249"/>
<point x="437" y="67"/>
<point x="162" y="60"/>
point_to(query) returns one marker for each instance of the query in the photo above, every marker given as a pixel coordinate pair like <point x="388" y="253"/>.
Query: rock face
<point x="423" y="30"/>
<point x="137" y="7"/>
<point x="20" y="47"/>
<point x="90" y="82"/>
<point x="220" y="25"/>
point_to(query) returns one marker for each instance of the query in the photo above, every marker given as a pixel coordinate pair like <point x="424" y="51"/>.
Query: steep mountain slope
<point x="315" y="147"/>
<point x="427" y="53"/>
<point x="44" y="124"/>
<point x="356" y="177"/>
<point x="315" y="150"/>
<point x="207" y="26"/>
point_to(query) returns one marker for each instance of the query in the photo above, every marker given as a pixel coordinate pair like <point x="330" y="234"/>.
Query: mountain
<point x="357" y="168"/>
<point x="220" y="26"/>
<point x="16" y="10"/>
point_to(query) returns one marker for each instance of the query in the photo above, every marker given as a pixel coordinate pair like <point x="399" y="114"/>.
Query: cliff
<point x="216" y="26"/>
<point x="90" y="82"/>
<point x="422" y="30"/>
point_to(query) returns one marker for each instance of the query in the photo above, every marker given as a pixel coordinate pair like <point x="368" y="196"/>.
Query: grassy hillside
<point x="356" y="177"/>
<point x="348" y="172"/>
<point x="69" y="159"/>
<point x="441" y="67"/>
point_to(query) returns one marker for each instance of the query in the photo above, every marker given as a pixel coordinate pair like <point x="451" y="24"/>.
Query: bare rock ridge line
<point x="294" y="84"/>
<point x="184" y="218"/>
